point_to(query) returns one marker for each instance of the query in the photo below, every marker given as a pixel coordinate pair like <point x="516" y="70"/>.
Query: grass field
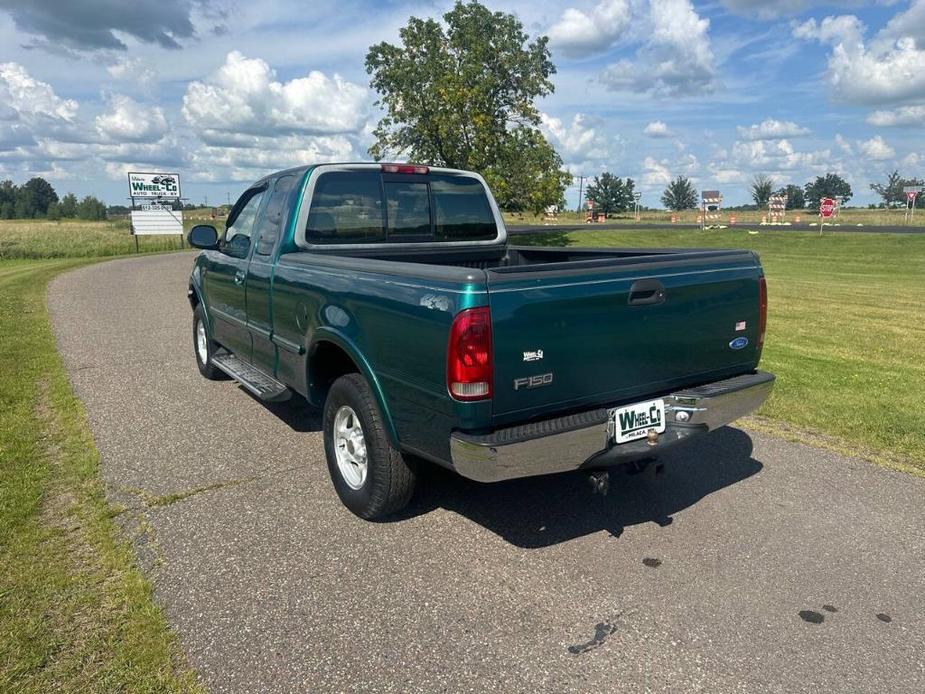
<point x="846" y="332"/>
<point x="27" y="238"/>
<point x="846" y="217"/>
<point x="76" y="614"/>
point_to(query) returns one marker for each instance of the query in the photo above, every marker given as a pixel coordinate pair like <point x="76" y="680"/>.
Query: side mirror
<point x="203" y="236"/>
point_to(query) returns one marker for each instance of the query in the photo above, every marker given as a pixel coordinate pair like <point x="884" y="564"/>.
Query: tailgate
<point x="570" y="336"/>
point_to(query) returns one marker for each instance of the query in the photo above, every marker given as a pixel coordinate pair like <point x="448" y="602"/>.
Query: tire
<point x="387" y="483"/>
<point x="206" y="367"/>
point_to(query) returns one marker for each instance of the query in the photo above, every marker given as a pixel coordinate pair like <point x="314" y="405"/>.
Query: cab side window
<point x="241" y="221"/>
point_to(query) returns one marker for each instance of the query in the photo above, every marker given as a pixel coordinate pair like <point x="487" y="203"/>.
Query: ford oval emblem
<point x="738" y="343"/>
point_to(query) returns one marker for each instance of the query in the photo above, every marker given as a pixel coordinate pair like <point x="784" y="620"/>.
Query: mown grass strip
<point x="846" y="326"/>
<point x="75" y="612"/>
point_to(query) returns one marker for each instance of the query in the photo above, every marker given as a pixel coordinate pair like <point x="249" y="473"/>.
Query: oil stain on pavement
<point x="602" y="630"/>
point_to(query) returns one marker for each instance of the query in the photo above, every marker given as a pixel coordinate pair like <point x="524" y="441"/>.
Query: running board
<point x="251" y="378"/>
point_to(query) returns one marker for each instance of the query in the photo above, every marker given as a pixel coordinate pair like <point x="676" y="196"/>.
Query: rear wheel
<point x="370" y="475"/>
<point x="204" y="347"/>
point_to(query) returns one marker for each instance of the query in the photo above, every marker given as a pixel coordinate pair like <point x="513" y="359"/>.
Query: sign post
<point x="710" y="207"/>
<point x="912" y="193"/>
<point x="777" y="206"/>
<point x="154" y="214"/>
<point x="826" y="210"/>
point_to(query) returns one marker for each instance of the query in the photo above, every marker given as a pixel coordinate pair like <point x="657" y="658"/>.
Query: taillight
<point x="468" y="355"/>
<point x="405" y="168"/>
<point x="762" y="310"/>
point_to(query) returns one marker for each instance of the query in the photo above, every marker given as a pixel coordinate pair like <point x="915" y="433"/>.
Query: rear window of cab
<point x="376" y="207"/>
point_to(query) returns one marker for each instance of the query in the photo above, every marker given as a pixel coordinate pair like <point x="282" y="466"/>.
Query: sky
<point x="225" y="91"/>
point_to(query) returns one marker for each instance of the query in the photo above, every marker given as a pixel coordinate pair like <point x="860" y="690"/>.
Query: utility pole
<point x="581" y="183"/>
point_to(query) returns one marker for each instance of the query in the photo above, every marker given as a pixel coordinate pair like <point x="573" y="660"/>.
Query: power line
<point x="581" y="183"/>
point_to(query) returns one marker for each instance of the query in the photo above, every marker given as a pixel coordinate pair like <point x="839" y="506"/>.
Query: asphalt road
<point x="515" y="229"/>
<point x="755" y="565"/>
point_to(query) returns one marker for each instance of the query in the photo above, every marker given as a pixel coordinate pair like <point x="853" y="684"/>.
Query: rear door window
<point x="346" y="208"/>
<point x="461" y="209"/>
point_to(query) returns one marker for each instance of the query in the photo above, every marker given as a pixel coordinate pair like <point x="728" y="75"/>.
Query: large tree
<point x="828" y="186"/>
<point x="91" y="208"/>
<point x="892" y="191"/>
<point x="611" y="193"/>
<point x="40" y="193"/>
<point x="680" y="195"/>
<point x="461" y="94"/>
<point x="69" y="205"/>
<point x="794" y="195"/>
<point x="762" y="186"/>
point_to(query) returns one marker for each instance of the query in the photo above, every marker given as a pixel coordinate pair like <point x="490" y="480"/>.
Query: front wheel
<point x="204" y="347"/>
<point x="370" y="475"/>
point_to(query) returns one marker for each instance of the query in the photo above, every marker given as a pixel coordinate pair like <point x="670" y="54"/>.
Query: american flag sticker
<point x="740" y="325"/>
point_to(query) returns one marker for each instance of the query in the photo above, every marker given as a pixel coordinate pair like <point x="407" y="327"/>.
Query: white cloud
<point x="910" y="23"/>
<point x="657" y="129"/>
<point x="770" y="129"/>
<point x="132" y="70"/>
<point x="722" y="174"/>
<point x="887" y="70"/>
<point x="30" y="98"/>
<point x="243" y="96"/>
<point x="655" y="172"/>
<point x="128" y="121"/>
<point x="660" y="172"/>
<point x="579" y="33"/>
<point x="913" y="116"/>
<point x="876" y="148"/>
<point x="676" y="58"/>
<point x="767" y="9"/>
<point x="580" y="143"/>
<point x="211" y="163"/>
<point x="843" y="144"/>
<point x="775" y="156"/>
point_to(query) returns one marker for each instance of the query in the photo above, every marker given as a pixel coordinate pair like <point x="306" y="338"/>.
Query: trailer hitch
<point x="599" y="481"/>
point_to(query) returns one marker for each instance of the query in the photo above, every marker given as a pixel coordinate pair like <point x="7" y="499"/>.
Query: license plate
<point x="635" y="421"/>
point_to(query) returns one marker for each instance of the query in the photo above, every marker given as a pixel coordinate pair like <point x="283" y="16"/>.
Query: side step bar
<point x="253" y="379"/>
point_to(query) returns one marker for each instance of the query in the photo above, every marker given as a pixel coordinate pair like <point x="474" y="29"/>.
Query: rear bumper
<point x="585" y="440"/>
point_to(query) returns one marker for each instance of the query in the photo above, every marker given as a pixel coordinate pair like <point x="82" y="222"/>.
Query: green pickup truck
<point x="388" y="296"/>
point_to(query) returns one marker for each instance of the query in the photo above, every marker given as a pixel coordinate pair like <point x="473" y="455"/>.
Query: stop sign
<point x="826" y="207"/>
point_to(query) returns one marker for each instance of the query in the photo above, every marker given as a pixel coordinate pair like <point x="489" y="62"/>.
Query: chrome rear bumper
<point x="585" y="440"/>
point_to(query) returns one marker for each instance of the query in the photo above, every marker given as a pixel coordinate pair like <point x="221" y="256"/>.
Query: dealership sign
<point x="165" y="186"/>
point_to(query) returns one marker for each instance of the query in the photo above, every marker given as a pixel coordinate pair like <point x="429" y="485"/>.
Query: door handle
<point x="239" y="277"/>
<point x="647" y="291"/>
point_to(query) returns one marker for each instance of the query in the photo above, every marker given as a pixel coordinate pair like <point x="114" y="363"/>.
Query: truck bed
<point x="594" y="315"/>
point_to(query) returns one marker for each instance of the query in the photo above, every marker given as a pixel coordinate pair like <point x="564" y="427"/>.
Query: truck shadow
<point x="543" y="511"/>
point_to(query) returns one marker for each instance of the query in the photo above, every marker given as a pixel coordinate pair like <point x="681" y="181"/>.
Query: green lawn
<point x="846" y="333"/>
<point x="75" y="612"/>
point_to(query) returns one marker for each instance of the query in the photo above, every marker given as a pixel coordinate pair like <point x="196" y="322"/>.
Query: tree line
<point x="37" y="199"/>
<point x="681" y="194"/>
